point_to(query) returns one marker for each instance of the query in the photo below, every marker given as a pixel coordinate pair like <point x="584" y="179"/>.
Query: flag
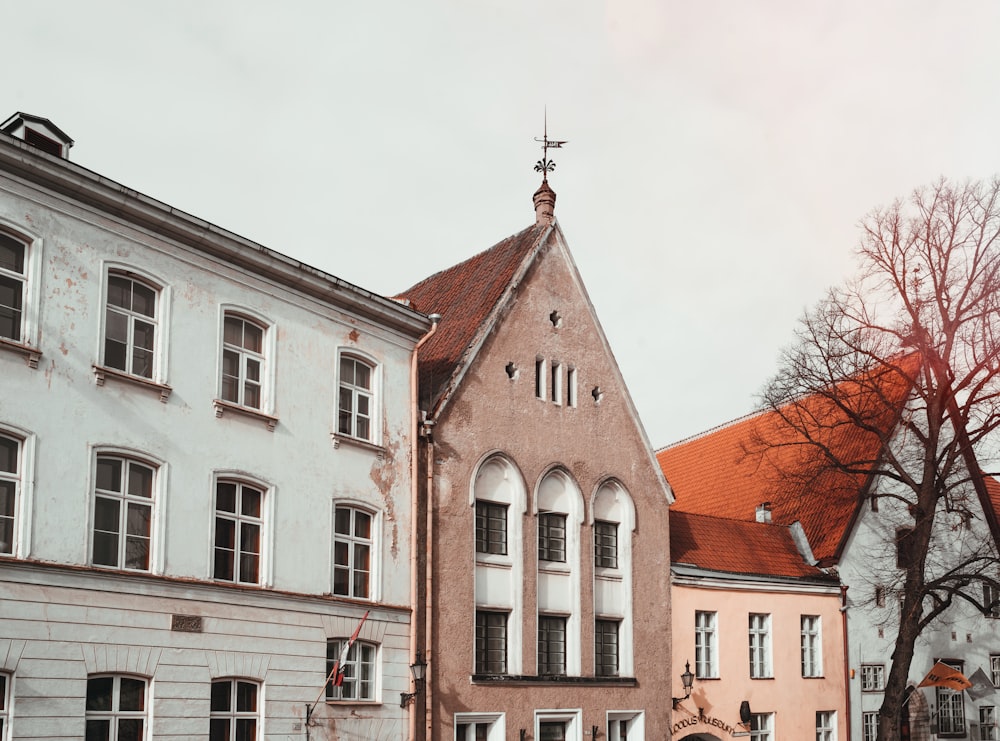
<point x="942" y="675"/>
<point x="337" y="673"/>
<point x="982" y="685"/>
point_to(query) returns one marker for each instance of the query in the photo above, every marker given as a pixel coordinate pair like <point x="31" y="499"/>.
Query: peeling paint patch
<point x="384" y="474"/>
<point x="63" y="349"/>
<point x="48" y="373"/>
<point x="354" y="335"/>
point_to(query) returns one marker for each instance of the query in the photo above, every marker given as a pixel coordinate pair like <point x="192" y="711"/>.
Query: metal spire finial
<point x="545" y="165"/>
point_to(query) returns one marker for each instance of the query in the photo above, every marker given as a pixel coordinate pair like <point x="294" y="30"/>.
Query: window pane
<point x="138" y="519"/>
<point x="250" y="502"/>
<point x="253" y="337"/>
<point x="225" y="496"/>
<point x="143" y="300"/>
<point x="98" y="730"/>
<point x="133" y="694"/>
<point x="346" y="371"/>
<point x="106" y="549"/>
<point x="232" y="331"/>
<point x="221" y="696"/>
<point x="342" y="521"/>
<point x="246" y="697"/>
<point x="11" y="308"/>
<point x="246" y="729"/>
<point x="119" y="291"/>
<point x="137" y="553"/>
<point x="219" y="729"/>
<point x="99" y="691"/>
<point x="140" y="481"/>
<point x="129" y="729"/>
<point x="11" y="254"/>
<point x="362" y="524"/>
<point x="8" y="455"/>
<point x="362" y="376"/>
<point x="142" y="335"/>
<point x="106" y="513"/>
<point x="253" y="370"/>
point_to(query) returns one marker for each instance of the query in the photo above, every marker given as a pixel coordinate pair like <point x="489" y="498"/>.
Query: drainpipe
<point x="414" y="519"/>
<point x="428" y="429"/>
<point x="847" y="667"/>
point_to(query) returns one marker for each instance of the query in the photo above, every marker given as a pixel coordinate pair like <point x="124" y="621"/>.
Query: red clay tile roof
<point x="993" y="492"/>
<point x="736" y="546"/>
<point x="729" y="471"/>
<point x="466" y="296"/>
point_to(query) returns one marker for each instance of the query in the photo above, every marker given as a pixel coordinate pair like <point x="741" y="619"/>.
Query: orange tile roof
<point x="466" y="296"/>
<point x="729" y="471"/>
<point x="736" y="547"/>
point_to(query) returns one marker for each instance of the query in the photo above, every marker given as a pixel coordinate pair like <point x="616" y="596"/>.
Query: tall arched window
<point x="559" y="515"/>
<point x="498" y="497"/>
<point x="613" y="522"/>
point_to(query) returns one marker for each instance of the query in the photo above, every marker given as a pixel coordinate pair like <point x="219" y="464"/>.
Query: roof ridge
<point x="713" y="430"/>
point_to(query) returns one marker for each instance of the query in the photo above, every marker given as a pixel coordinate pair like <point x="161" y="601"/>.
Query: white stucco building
<point x="205" y="473"/>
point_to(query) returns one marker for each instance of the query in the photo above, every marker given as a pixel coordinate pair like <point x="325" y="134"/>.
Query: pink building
<point x="761" y="630"/>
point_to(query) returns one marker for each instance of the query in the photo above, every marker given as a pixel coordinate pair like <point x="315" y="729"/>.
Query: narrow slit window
<point x="540" y="378"/>
<point x="556" y="382"/>
<point x="571" y="387"/>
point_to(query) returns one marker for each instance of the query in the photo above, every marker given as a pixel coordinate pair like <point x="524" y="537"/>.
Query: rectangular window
<point x="358" y="671"/>
<point x="706" y="658"/>
<point x="13" y="283"/>
<point x="123" y="513"/>
<point x="606" y="648"/>
<point x="991" y="601"/>
<point x="491" y="528"/>
<point x="472" y="731"/>
<point x="115" y="708"/>
<point x="234" y="713"/>
<point x="988" y="723"/>
<point x="995" y="669"/>
<point x="812" y="664"/>
<point x="242" y="361"/>
<point x="551" y="645"/>
<point x="552" y="537"/>
<point x="4" y="705"/>
<point x="951" y="707"/>
<point x="904" y="547"/>
<point x="869" y="724"/>
<point x="826" y="725"/>
<point x="872" y="677"/>
<point x="551" y="731"/>
<point x="539" y="378"/>
<point x="352" y="552"/>
<point x="491" y="642"/>
<point x="761" y="726"/>
<point x="760" y="646"/>
<point x="238" y="526"/>
<point x="130" y="323"/>
<point x="357" y="399"/>
<point x="605" y="544"/>
<point x="10" y="484"/>
<point x="571" y="387"/>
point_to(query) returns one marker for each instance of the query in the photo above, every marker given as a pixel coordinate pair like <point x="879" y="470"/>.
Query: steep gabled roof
<point x="737" y="547"/>
<point x="729" y="471"/>
<point x="469" y="296"/>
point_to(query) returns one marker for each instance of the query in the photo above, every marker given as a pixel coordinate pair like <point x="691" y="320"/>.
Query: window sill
<point x="555" y="679"/>
<point x="101" y="374"/>
<point x="367" y="703"/>
<point x="494" y="559"/>
<point x="221" y="407"/>
<point x="553" y="567"/>
<point x="31" y="354"/>
<point x="356" y="442"/>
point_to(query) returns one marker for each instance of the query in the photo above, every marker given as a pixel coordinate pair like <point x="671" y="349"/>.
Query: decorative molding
<point x="31" y="354"/>
<point x="221" y="407"/>
<point x="101" y="373"/>
<point x="236" y="664"/>
<point x="10" y="653"/>
<point x="109" y="658"/>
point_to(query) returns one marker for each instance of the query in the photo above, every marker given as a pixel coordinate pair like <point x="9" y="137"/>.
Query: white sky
<point x="720" y="156"/>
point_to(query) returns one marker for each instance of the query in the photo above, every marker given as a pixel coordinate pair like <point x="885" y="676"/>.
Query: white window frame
<point x="635" y="725"/>
<point x="234" y="715"/>
<point x="988" y="723"/>
<point x="869" y="726"/>
<point x="334" y="647"/>
<point x="6" y="682"/>
<point x="155" y="504"/>
<point x="374" y="395"/>
<point x="263" y="560"/>
<point x="496" y="726"/>
<point x="572" y="719"/>
<point x="990" y="601"/>
<point x="266" y="357"/>
<point x="995" y="669"/>
<point x="706" y="644"/>
<point x="160" y="322"/>
<point x="611" y="503"/>
<point x="374" y="553"/>
<point x="826" y="725"/>
<point x="759" y="634"/>
<point x="23" y="481"/>
<point x="873" y="677"/>
<point x="116" y="714"/>
<point x="31" y="293"/>
<point x="811" y="627"/>
<point x="761" y="726"/>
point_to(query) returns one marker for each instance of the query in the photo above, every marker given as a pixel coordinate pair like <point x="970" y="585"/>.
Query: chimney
<point x="38" y="132"/>
<point x="545" y="203"/>
<point x="764" y="512"/>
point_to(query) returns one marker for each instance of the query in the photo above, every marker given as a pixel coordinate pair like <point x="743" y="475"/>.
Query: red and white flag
<point x="337" y="673"/>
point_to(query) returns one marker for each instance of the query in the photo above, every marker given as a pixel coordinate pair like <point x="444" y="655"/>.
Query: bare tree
<point x="908" y="356"/>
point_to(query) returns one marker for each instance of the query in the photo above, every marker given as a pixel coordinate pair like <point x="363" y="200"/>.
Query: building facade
<point x="205" y="470"/>
<point x="546" y="517"/>
<point x="759" y="629"/>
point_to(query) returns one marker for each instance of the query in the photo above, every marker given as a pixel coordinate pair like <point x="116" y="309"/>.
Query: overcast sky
<point x="721" y="153"/>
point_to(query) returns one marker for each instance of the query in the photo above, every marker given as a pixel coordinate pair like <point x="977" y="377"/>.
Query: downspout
<point x="415" y="427"/>
<point x="847" y="664"/>
<point x="428" y="430"/>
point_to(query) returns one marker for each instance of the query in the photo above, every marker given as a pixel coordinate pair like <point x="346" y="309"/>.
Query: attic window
<point x="36" y="139"/>
<point x="511" y="370"/>
<point x="555" y="319"/>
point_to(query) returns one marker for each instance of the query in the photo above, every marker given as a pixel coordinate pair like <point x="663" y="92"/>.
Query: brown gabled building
<point x="546" y="531"/>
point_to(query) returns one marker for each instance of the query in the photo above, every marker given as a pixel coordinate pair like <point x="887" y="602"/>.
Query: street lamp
<point x="687" y="680"/>
<point x="417" y="669"/>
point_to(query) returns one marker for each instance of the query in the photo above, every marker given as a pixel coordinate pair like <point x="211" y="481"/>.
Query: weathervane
<point x="545" y="165"/>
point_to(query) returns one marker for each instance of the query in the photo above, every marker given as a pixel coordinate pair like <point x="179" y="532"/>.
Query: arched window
<point x="244" y="371"/>
<point x="13" y="286"/>
<point x="10" y="492"/>
<point x="239" y="531"/>
<point x="235" y="710"/>
<point x="559" y="515"/>
<point x="353" y="551"/>
<point x="123" y="512"/>
<point x="360" y="671"/>
<point x="356" y="401"/>
<point x="613" y="522"/>
<point x="131" y="320"/>
<point x="116" y="708"/>
<point x="498" y="498"/>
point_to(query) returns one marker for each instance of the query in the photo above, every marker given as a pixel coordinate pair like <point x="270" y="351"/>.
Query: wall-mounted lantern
<point x="687" y="681"/>
<point x="418" y="669"/>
